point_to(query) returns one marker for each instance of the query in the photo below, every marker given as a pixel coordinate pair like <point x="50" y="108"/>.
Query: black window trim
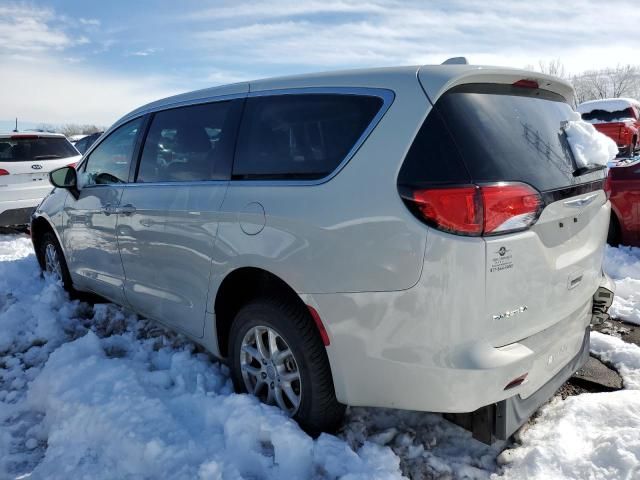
<point x="226" y="171"/>
<point x="82" y="164"/>
<point x="387" y="96"/>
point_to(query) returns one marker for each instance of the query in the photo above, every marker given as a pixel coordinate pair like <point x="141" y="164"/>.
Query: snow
<point x="608" y="105"/>
<point x="593" y="435"/>
<point x="589" y="146"/>
<point x="623" y="266"/>
<point x="94" y="392"/>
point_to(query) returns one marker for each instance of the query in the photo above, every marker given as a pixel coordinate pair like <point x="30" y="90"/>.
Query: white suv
<point x="25" y="162"/>
<point x="417" y="238"/>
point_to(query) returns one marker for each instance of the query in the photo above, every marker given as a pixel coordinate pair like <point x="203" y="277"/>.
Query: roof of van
<point x="435" y="80"/>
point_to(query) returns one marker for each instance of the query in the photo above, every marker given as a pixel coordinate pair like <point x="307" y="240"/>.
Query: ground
<point x="89" y="391"/>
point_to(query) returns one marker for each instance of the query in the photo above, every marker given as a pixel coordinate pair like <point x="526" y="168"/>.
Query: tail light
<point x="476" y="210"/>
<point x="3" y="172"/>
<point x="524" y="83"/>
<point x="72" y="165"/>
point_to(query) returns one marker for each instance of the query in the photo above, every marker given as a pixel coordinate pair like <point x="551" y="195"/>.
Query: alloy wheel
<point x="269" y="369"/>
<point x="52" y="261"/>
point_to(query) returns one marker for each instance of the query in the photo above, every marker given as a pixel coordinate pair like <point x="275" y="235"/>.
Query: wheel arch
<point x="239" y="287"/>
<point x="39" y="226"/>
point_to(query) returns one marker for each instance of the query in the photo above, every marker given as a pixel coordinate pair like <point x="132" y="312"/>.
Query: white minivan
<point x="418" y="238"/>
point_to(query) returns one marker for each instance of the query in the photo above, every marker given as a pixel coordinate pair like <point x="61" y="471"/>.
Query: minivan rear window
<point x="492" y="133"/>
<point x="301" y="136"/>
<point x="508" y="133"/>
<point x="30" y="148"/>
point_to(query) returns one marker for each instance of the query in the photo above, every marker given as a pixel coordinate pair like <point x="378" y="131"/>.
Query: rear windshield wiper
<point x="592" y="167"/>
<point x="46" y="157"/>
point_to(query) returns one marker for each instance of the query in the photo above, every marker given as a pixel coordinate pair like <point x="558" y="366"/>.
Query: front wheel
<point x="278" y="356"/>
<point x="52" y="260"/>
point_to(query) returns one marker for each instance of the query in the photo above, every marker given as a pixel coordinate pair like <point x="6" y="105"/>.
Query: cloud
<point x="25" y="29"/>
<point x="44" y="80"/>
<point x="144" y="53"/>
<point x="385" y="32"/>
<point x="51" y="92"/>
<point x="89" y="21"/>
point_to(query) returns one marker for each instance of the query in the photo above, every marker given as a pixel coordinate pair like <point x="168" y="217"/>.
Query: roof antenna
<point x="16" y="129"/>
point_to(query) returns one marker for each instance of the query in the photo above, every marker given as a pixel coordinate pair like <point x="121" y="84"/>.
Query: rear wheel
<point x="52" y="260"/>
<point x="278" y="356"/>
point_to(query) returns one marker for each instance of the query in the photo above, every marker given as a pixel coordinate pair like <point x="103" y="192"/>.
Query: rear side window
<point x="34" y="148"/>
<point x="605" y="116"/>
<point x="192" y="143"/>
<point x="433" y="158"/>
<point x="302" y="136"/>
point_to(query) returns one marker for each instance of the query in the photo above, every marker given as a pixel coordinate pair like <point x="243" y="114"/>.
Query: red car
<point x="617" y="118"/>
<point x="624" y="187"/>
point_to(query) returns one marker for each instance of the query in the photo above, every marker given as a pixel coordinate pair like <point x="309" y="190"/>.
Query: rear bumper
<point x="17" y="212"/>
<point x="389" y="356"/>
<point x="512" y="413"/>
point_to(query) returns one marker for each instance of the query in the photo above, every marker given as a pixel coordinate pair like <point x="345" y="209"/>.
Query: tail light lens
<point x="3" y="172"/>
<point x="476" y="210"/>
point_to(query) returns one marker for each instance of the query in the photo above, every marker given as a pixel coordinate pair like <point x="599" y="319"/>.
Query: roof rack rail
<point x="456" y="61"/>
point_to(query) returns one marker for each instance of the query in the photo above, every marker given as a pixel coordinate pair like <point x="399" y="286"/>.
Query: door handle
<point x="108" y="209"/>
<point x="127" y="209"/>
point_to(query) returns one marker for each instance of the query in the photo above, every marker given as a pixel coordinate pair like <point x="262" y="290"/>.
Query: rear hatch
<point x="25" y="163"/>
<point x="543" y="251"/>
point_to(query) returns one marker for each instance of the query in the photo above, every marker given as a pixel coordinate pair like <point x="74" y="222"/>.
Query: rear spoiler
<point x="437" y="79"/>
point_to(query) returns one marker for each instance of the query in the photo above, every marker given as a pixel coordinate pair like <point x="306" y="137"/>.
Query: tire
<point x="613" y="237"/>
<point x="318" y="409"/>
<point x="48" y="245"/>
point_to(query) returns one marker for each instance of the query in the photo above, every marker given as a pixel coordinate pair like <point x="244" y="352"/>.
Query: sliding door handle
<point x="127" y="209"/>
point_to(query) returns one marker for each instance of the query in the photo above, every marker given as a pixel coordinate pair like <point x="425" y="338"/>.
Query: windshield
<point x="597" y="116"/>
<point x="507" y="133"/>
<point x="34" y="148"/>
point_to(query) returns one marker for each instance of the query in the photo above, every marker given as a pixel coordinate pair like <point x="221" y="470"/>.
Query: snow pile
<point x="90" y="392"/>
<point x="623" y="266"/>
<point x="93" y="392"/>
<point x="593" y="435"/>
<point x="608" y="105"/>
<point x="589" y="146"/>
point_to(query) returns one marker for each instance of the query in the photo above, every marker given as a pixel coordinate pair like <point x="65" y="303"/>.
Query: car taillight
<point x="526" y="84"/>
<point x="456" y="210"/>
<point x="72" y="165"/>
<point x="475" y="210"/>
<point x="509" y="207"/>
<point x="3" y="172"/>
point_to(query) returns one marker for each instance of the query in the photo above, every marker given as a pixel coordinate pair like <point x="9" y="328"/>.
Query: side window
<point x="302" y="136"/>
<point x="110" y="161"/>
<point x="190" y="143"/>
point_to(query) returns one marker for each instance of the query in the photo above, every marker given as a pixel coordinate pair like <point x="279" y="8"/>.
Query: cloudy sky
<point x="90" y="62"/>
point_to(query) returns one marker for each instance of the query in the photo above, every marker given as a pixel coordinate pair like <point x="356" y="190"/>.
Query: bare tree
<point x="624" y="80"/>
<point x="70" y="129"/>
<point x="553" y="67"/>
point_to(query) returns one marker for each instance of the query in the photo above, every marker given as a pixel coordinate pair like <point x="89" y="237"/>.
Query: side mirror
<point x="67" y="178"/>
<point x="64" y="177"/>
